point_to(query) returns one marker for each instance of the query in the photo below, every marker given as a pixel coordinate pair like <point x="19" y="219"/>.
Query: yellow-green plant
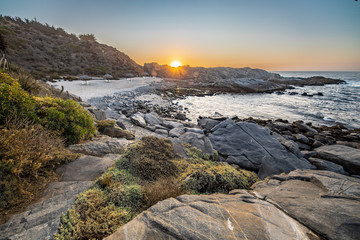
<point x="66" y="116"/>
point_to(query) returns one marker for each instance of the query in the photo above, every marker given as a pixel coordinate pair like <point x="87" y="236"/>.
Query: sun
<point x="176" y="64"/>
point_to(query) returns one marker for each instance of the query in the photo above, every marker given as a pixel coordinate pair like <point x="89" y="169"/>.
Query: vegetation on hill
<point x="148" y="172"/>
<point x="33" y="134"/>
<point x="45" y="50"/>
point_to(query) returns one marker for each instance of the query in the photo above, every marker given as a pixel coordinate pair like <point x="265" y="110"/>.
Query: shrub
<point x="28" y="155"/>
<point x="14" y="102"/>
<point x="102" y="124"/>
<point x="68" y="117"/>
<point x="92" y="217"/>
<point x="159" y="190"/>
<point x="114" y="200"/>
<point x="215" y="177"/>
<point x="149" y="159"/>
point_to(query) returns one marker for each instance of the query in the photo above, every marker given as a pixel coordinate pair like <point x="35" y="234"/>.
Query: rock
<point x="179" y="148"/>
<point x="324" y="201"/>
<point x="282" y="126"/>
<point x="171" y="124"/>
<point x="345" y="156"/>
<point x="121" y="124"/>
<point x="176" y="132"/>
<point x="97" y="113"/>
<point x="160" y="127"/>
<point x="305" y="128"/>
<point x="257" y="145"/>
<point x="180" y="116"/>
<point x="317" y="144"/>
<point x="151" y="128"/>
<point x="301" y="138"/>
<point x="349" y="144"/>
<point x="207" y="124"/>
<point x="41" y="220"/>
<point x="112" y="114"/>
<point x="153" y="119"/>
<point x="221" y="124"/>
<point x="321" y="164"/>
<point x="290" y="145"/>
<point x="117" y="132"/>
<point x="199" y="141"/>
<point x="237" y="215"/>
<point x="242" y="162"/>
<point x="303" y="146"/>
<point x="85" y="168"/>
<point x="100" y="146"/>
<point x="195" y="130"/>
<point x="162" y="131"/>
<point x="308" y="154"/>
<point x="138" y="119"/>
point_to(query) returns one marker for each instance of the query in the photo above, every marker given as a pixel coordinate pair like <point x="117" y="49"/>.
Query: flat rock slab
<point x="85" y="168"/>
<point x="238" y="215"/>
<point x="101" y="146"/>
<point x="345" y="156"/>
<point x="253" y="147"/>
<point x="326" y="202"/>
<point x="40" y="220"/>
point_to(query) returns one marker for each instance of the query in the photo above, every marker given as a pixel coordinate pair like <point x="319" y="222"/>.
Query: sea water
<point x="336" y="103"/>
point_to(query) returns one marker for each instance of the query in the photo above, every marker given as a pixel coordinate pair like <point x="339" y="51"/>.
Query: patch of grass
<point x="149" y="159"/>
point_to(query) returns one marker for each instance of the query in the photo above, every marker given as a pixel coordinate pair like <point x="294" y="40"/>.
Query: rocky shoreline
<point x="305" y="169"/>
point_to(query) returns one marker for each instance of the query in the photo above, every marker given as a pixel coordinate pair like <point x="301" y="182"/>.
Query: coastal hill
<point x="45" y="50"/>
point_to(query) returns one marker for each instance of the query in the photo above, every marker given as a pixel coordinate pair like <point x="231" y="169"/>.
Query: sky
<point x="276" y="35"/>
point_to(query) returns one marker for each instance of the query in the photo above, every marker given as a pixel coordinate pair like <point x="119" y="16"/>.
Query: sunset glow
<point x="175" y="64"/>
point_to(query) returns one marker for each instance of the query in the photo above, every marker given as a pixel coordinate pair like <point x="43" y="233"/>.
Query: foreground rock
<point x="345" y="156"/>
<point x="252" y="147"/>
<point x="326" y="202"/>
<point x="238" y="215"/>
<point x="40" y="221"/>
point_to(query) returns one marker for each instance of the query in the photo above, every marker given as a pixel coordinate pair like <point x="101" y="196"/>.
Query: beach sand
<point x="100" y="88"/>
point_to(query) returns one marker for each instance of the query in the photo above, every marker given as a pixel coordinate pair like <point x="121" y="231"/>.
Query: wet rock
<point x="321" y="164"/>
<point x="257" y="145"/>
<point x="304" y="128"/>
<point x="237" y="215"/>
<point x="324" y="201"/>
<point x="153" y="119"/>
<point x="199" y="141"/>
<point x="345" y="156"/>
<point x="138" y="119"/>
<point x="301" y="138"/>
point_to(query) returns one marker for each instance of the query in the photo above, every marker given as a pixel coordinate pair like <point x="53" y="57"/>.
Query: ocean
<point x="335" y="103"/>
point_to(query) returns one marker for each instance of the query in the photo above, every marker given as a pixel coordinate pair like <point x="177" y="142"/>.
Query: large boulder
<point x="207" y="123"/>
<point x="321" y="164"/>
<point x="345" y="156"/>
<point x="324" y="201"/>
<point x="101" y="146"/>
<point x="199" y="141"/>
<point x="248" y="144"/>
<point x="238" y="215"/>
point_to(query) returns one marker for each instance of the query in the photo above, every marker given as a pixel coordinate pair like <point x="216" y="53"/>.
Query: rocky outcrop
<point x="101" y="146"/>
<point x="252" y="147"/>
<point x="324" y="201"/>
<point x="345" y="156"/>
<point x="238" y="215"/>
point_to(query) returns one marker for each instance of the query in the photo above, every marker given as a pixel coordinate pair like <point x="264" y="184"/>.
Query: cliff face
<point x="45" y="50"/>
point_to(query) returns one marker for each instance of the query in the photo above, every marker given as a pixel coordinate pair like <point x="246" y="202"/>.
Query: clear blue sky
<point x="269" y="34"/>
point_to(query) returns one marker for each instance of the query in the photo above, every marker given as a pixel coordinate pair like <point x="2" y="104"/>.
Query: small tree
<point x="87" y="37"/>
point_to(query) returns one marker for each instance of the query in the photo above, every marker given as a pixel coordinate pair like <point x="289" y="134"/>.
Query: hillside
<point x="45" y="50"/>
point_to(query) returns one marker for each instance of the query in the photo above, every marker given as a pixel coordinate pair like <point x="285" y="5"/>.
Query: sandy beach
<point x="100" y="88"/>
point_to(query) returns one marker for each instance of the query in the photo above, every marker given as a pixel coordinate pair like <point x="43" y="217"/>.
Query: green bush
<point x="68" y="117"/>
<point x="102" y="124"/>
<point x="14" y="101"/>
<point x="149" y="159"/>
